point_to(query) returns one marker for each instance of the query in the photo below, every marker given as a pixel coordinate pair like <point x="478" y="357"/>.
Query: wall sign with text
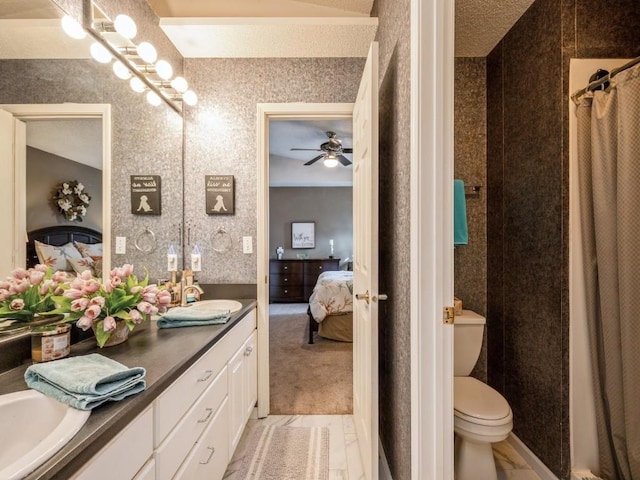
<point x="145" y="195"/>
<point x="220" y="194"/>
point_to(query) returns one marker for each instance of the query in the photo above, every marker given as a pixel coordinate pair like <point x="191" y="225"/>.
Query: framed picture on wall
<point x="303" y="234"/>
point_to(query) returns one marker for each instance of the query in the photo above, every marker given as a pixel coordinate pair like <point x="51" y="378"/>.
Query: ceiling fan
<point x="332" y="152"/>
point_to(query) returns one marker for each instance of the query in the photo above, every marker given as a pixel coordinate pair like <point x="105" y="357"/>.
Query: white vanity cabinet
<point x="243" y="374"/>
<point x="126" y="454"/>
<point x="198" y="417"/>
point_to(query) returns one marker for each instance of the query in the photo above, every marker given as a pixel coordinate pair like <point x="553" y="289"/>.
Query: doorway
<point x="266" y="114"/>
<point x="310" y="187"/>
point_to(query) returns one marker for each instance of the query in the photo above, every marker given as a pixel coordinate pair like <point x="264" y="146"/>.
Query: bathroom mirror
<point x="39" y="64"/>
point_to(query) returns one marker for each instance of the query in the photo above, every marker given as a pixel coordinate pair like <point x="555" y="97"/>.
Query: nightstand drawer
<point x="285" y="280"/>
<point x="285" y="293"/>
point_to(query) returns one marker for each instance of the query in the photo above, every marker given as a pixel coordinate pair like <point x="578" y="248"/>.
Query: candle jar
<point x="50" y="342"/>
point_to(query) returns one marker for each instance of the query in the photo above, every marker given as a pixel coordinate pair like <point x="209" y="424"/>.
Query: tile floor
<point x="344" y="458"/>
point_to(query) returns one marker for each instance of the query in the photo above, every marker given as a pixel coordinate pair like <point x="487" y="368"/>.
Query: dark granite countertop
<point x="164" y="353"/>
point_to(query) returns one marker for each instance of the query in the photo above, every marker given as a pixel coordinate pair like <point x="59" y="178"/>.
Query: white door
<point x="365" y="265"/>
<point x="12" y="200"/>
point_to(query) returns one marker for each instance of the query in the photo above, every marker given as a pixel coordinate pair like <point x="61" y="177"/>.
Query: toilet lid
<point x="478" y="402"/>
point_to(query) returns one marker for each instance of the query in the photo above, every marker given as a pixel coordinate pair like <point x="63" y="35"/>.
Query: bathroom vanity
<point x="201" y="389"/>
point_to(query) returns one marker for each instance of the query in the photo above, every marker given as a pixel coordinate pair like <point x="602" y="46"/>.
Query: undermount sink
<point x="35" y="427"/>
<point x="212" y="305"/>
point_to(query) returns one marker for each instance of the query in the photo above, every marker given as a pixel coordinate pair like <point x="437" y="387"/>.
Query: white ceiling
<point x="286" y="167"/>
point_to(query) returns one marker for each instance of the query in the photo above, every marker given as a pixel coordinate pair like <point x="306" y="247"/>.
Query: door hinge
<point x="448" y="315"/>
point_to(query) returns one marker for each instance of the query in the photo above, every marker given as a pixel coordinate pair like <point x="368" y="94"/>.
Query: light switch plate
<point x="247" y="244"/>
<point x="121" y="245"/>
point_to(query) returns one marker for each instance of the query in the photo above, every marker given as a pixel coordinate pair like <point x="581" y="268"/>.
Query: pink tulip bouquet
<point x="28" y="293"/>
<point x="101" y="306"/>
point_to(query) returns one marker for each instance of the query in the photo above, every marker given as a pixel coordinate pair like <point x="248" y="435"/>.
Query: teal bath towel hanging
<point x="460" y="232"/>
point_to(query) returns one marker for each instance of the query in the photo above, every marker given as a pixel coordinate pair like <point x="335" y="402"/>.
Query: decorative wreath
<point x="71" y="200"/>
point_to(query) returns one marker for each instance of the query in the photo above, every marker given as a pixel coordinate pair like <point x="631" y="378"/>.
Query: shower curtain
<point x="609" y="176"/>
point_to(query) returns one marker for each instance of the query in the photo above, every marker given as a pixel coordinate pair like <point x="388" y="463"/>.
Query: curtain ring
<point x="148" y="245"/>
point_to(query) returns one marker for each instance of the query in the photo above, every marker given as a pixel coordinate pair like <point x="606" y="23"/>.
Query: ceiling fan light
<point x="330" y="161"/>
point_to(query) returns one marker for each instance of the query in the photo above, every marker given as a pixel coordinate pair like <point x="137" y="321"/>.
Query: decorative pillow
<point x="81" y="264"/>
<point x="57" y="257"/>
<point x="93" y="250"/>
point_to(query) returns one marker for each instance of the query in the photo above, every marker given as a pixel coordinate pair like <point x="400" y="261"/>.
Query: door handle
<point x="363" y="296"/>
<point x="380" y="296"/>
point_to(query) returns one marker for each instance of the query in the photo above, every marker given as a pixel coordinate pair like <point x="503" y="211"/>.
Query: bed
<point x="52" y="240"/>
<point x="331" y="306"/>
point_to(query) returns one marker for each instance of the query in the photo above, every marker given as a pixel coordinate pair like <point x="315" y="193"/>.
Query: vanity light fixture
<point x="137" y="63"/>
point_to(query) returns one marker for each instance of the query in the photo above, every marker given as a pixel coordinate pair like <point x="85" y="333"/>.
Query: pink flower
<point x="93" y="311"/>
<point x="136" y="289"/>
<point x="164" y="297"/>
<point x="59" y="277"/>
<point x="91" y="286"/>
<point x="79" y="304"/>
<point x="22" y="286"/>
<point x="84" y="323"/>
<point x="72" y="293"/>
<point x="136" y="316"/>
<point x="145" y="307"/>
<point x="46" y="286"/>
<point x="41" y="268"/>
<point x="127" y="269"/>
<point x="150" y="294"/>
<point x="16" y="304"/>
<point x="36" y="277"/>
<point x="109" y="324"/>
<point x="20" y="273"/>
<point x="86" y="275"/>
<point x="115" y="282"/>
<point x="99" y="301"/>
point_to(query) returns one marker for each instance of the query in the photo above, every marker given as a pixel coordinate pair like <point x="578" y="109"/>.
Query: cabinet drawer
<point x="125" y="455"/>
<point x="148" y="472"/>
<point x="209" y="457"/>
<point x="178" y="398"/>
<point x="283" y="266"/>
<point x="176" y="446"/>
<point x="317" y="267"/>
<point x="285" y="293"/>
<point x="285" y="280"/>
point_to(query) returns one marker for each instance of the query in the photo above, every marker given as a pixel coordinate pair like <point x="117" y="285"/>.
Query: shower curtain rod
<point x="604" y="79"/>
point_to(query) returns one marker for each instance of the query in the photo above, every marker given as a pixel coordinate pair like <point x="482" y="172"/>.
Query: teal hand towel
<point x="85" y="382"/>
<point x="191" y="317"/>
<point x="460" y="232"/>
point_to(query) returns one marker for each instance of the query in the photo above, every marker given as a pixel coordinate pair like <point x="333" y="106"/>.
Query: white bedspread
<point x="333" y="294"/>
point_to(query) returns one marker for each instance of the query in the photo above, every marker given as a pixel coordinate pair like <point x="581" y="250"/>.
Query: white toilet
<point x="481" y="415"/>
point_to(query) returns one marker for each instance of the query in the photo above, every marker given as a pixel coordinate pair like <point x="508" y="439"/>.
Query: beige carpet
<point x="307" y="379"/>
<point x="287" y="453"/>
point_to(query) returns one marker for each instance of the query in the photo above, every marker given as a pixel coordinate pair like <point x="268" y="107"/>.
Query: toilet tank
<point x="468" y="330"/>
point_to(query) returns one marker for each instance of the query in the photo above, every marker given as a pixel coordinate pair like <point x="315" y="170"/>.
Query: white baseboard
<point x="534" y="462"/>
<point x="385" y="472"/>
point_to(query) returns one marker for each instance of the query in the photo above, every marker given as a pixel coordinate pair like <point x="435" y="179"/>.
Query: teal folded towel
<point x="87" y="381"/>
<point x="192" y="317"/>
<point x="460" y="232"/>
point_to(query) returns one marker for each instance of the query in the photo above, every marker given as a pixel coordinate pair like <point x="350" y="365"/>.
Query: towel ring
<point x="145" y="241"/>
<point x="221" y="241"/>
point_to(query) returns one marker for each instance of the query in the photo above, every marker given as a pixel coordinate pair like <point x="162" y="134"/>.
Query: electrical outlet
<point x="247" y="245"/>
<point x="121" y="245"/>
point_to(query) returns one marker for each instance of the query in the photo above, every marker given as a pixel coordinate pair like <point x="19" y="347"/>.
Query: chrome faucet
<point x="197" y="291"/>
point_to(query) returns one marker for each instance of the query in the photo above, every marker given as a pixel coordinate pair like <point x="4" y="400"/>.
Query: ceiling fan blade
<point x="308" y="149"/>
<point x="314" y="160"/>
<point x="347" y="150"/>
<point x="344" y="160"/>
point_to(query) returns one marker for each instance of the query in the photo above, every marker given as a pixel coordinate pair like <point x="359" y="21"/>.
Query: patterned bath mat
<point x="287" y="453"/>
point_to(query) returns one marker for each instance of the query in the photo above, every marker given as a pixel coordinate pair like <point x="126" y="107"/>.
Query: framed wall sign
<point x="303" y="234"/>
<point x="220" y="195"/>
<point x="146" y="194"/>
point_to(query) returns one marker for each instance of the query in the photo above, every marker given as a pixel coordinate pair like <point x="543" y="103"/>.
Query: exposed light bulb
<point x="125" y="26"/>
<point x="147" y="52"/>
<point x="100" y="53"/>
<point x="73" y="28"/>
<point x="121" y="70"/>
<point x="180" y="84"/>
<point x="190" y="98"/>
<point x="330" y="161"/>
<point x="164" y="69"/>
<point x="153" y="98"/>
<point x="137" y="85"/>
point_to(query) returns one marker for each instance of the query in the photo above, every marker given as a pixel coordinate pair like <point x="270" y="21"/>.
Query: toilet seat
<point x="477" y="403"/>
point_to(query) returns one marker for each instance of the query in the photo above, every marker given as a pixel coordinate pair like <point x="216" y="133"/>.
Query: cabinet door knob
<point x="207" y="376"/>
<point x="248" y="351"/>
<point x="213" y="450"/>
<point x="286" y="279"/>
<point x="320" y="267"/>
<point x="286" y="268"/>
<point x="286" y="291"/>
